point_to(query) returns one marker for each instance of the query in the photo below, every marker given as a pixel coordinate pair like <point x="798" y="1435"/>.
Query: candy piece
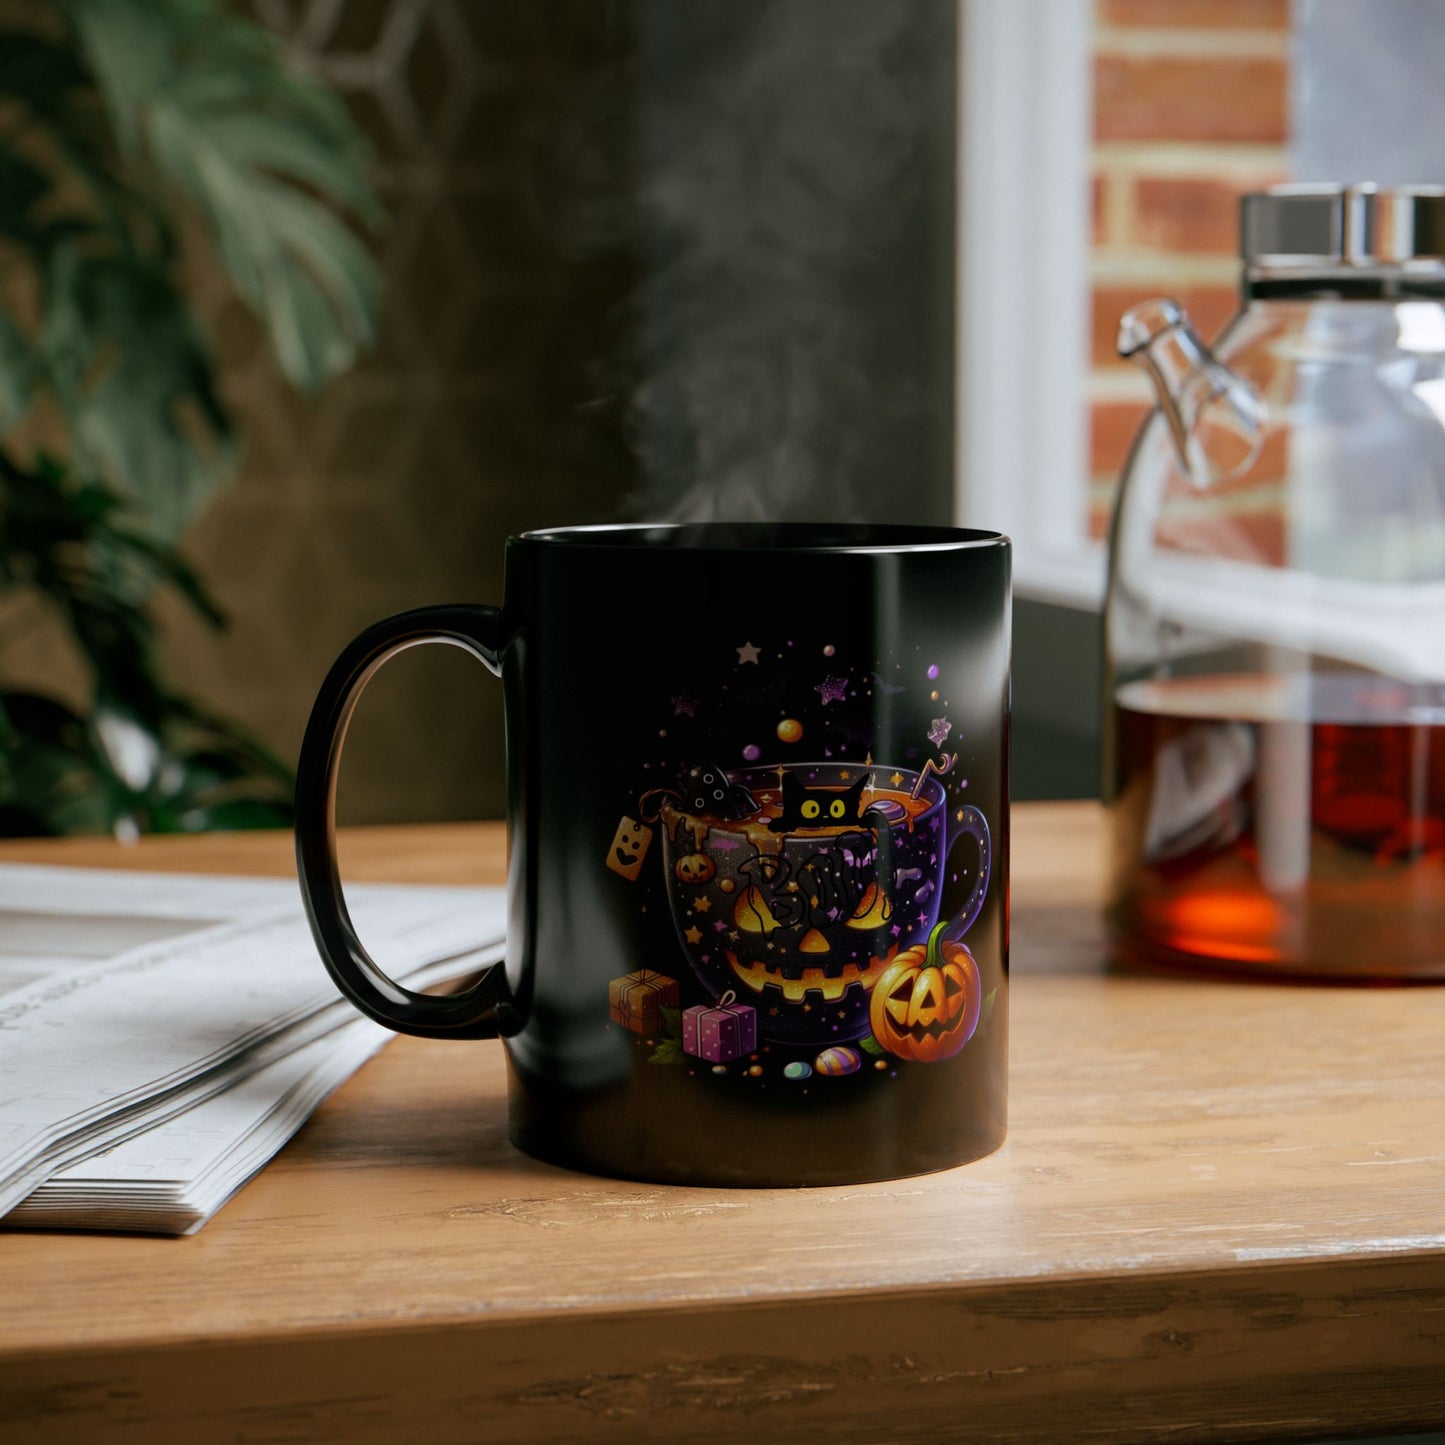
<point x="837" y="1060"/>
<point x="798" y="1070"/>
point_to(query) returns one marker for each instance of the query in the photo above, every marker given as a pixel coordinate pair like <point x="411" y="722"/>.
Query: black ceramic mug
<point x="758" y="879"/>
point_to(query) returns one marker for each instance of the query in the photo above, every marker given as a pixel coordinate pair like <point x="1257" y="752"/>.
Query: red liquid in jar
<point x="1283" y="825"/>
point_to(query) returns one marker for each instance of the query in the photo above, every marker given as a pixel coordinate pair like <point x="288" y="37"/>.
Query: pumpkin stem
<point x="934" y="957"/>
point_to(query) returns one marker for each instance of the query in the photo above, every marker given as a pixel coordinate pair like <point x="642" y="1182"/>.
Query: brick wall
<point x="1190" y="111"/>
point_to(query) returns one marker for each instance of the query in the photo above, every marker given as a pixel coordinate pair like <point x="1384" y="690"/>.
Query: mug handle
<point x="472" y="1014"/>
<point x="975" y="825"/>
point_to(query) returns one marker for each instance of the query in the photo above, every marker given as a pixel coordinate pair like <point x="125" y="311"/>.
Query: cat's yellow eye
<point x="811" y="808"/>
<point x="837" y="808"/>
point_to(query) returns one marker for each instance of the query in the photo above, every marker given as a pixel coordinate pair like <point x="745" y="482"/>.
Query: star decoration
<point x="693" y="936"/>
<point x="702" y="903"/>
<point x="940" y="730"/>
<point x="832" y="689"/>
<point x="896" y="779"/>
<point x="844" y="775"/>
<point x="748" y="653"/>
<point x="684" y="704"/>
<point x="733" y="934"/>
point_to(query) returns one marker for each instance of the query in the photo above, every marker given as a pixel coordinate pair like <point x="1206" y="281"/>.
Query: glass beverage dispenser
<point x="1275" y="624"/>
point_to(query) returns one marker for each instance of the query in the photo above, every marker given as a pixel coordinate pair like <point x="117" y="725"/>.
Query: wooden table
<point x="1220" y="1214"/>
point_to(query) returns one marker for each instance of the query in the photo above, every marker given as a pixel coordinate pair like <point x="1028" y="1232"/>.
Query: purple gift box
<point x="721" y="1031"/>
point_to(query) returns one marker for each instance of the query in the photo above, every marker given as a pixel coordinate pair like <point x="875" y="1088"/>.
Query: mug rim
<point x="798" y="537"/>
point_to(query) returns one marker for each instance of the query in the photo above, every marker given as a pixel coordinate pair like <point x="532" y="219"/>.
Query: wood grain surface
<point x="1220" y="1214"/>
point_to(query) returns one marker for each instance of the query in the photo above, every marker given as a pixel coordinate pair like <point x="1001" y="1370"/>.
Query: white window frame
<point x="1021" y="444"/>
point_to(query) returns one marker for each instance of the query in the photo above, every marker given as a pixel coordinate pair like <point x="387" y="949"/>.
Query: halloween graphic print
<point x="819" y="896"/>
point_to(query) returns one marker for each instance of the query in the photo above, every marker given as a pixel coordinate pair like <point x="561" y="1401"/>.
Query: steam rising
<point x="791" y="331"/>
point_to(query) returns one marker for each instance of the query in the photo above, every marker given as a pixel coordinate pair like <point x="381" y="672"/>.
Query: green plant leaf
<point x="219" y="733"/>
<point x="870" y="1045"/>
<point x="669" y="1051"/>
<point x="168" y="565"/>
<point x="273" y="144"/>
<point x="144" y="756"/>
<point x="16" y="374"/>
<point x="22" y="187"/>
<point x="54" y="97"/>
<point x="671" y="1022"/>
<point x="262" y="150"/>
<point x="37" y="72"/>
<point x="61" y="773"/>
<point x="110" y="119"/>
<point x="134" y="378"/>
<point x="51" y="783"/>
<point x="235" y="814"/>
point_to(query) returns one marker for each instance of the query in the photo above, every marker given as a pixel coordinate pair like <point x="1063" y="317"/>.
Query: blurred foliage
<point x="120" y="122"/>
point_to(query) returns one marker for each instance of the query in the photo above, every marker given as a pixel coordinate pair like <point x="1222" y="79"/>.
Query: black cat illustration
<point x="817" y="807"/>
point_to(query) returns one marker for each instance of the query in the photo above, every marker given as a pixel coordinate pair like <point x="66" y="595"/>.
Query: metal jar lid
<point x="1330" y="228"/>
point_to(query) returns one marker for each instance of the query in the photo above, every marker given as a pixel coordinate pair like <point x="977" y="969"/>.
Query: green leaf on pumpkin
<point x="986" y="1012"/>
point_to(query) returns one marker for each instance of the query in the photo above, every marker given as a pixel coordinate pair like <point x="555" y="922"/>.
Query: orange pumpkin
<point x="694" y="868"/>
<point x="926" y="1002"/>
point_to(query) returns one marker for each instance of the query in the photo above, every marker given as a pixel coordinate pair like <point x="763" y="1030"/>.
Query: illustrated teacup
<point x="802" y="921"/>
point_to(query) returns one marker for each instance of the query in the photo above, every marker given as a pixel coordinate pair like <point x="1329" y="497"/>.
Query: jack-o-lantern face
<point x="926" y="1003"/>
<point x="694" y="868"/>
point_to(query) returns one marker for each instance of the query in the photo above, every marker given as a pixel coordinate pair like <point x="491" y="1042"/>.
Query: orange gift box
<point x="636" y="1002"/>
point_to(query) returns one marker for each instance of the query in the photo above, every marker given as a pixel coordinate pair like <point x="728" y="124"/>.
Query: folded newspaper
<point x="161" y="1036"/>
